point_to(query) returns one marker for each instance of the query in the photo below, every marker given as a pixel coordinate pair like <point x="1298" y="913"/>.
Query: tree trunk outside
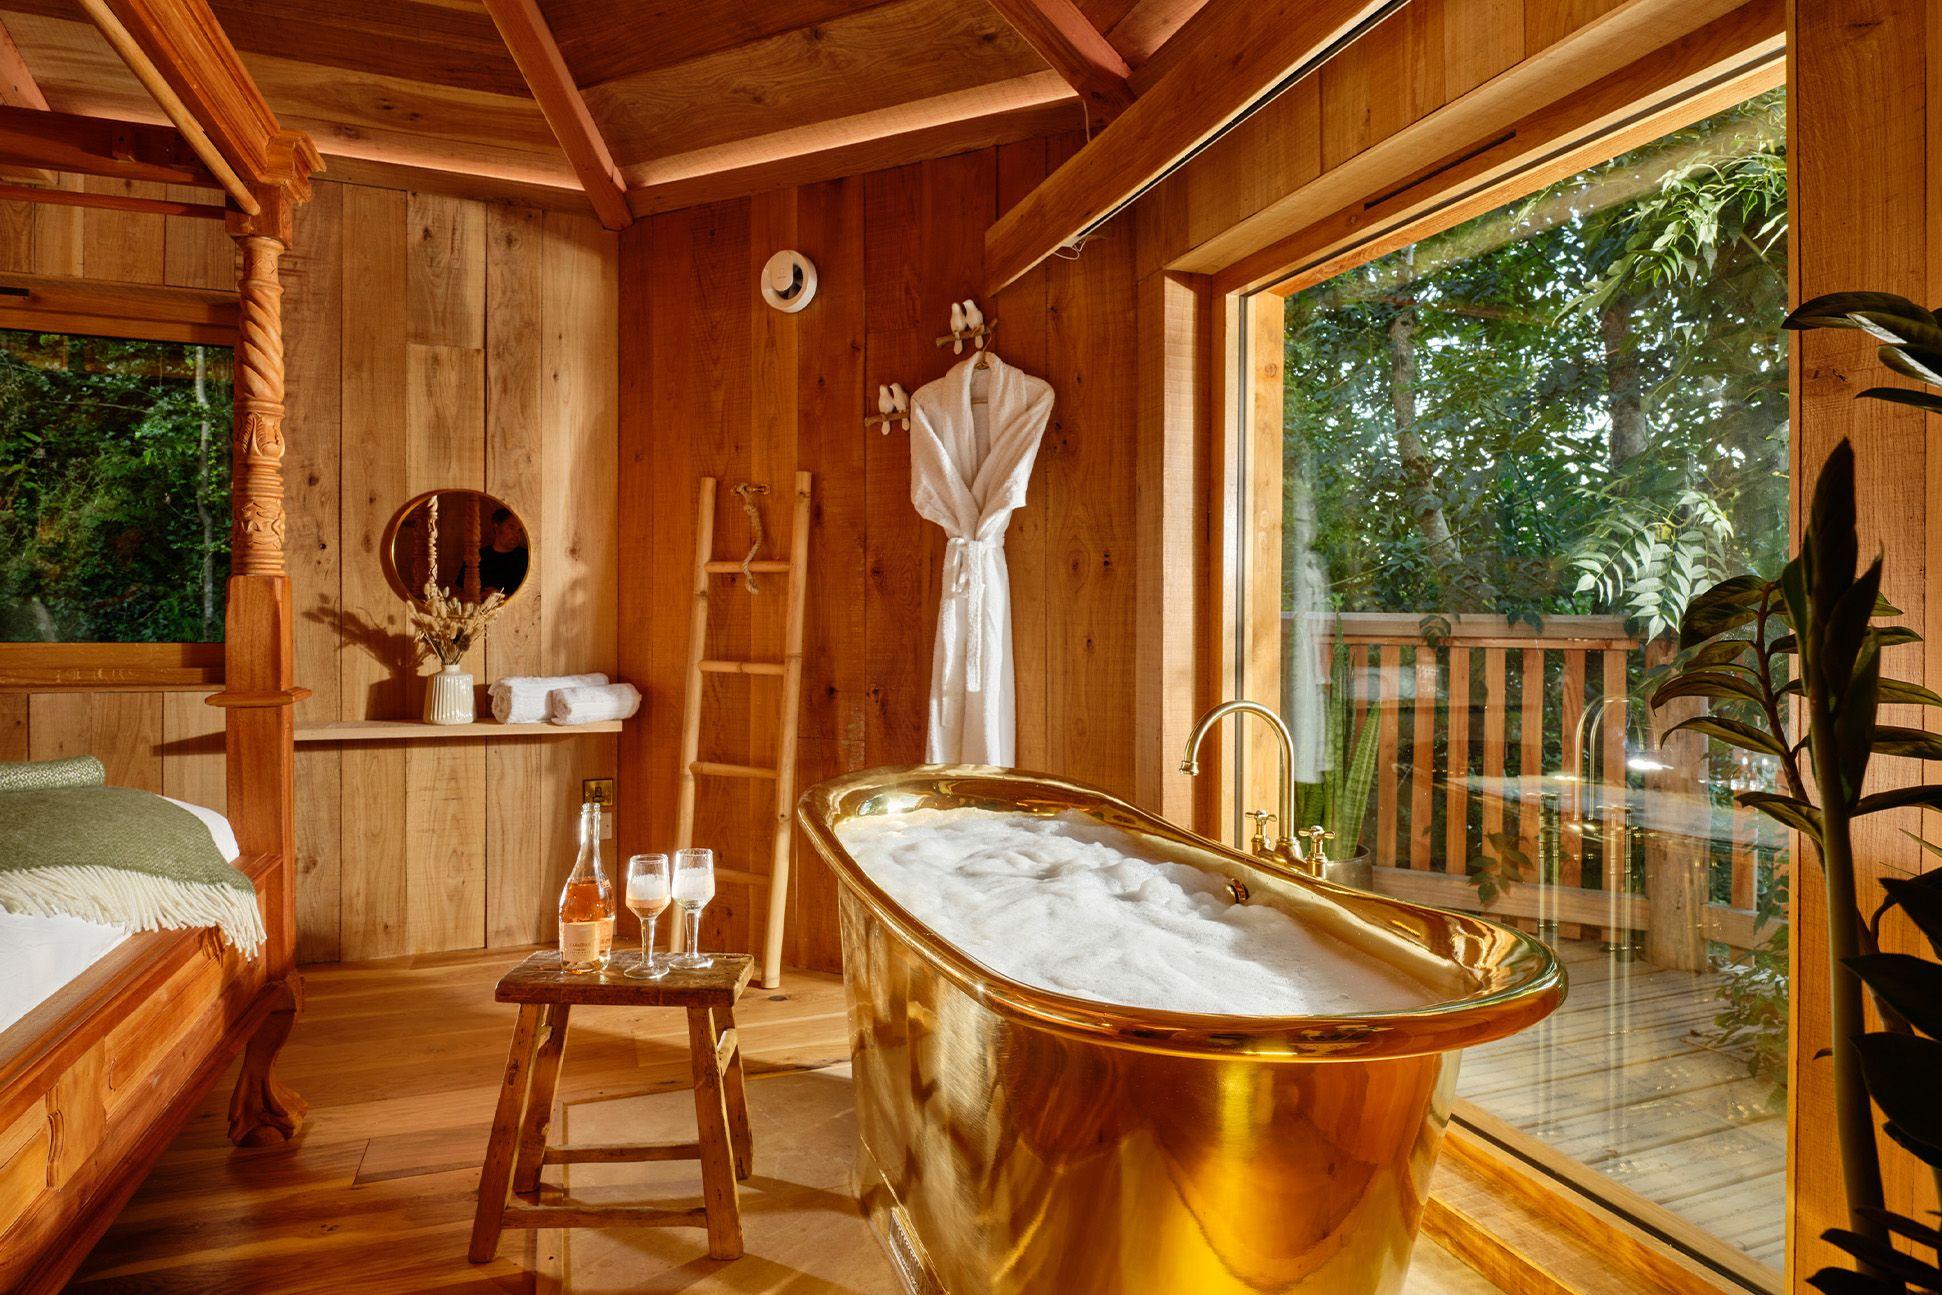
<point x="203" y="515"/>
<point x="1462" y="591"/>
<point x="1624" y="386"/>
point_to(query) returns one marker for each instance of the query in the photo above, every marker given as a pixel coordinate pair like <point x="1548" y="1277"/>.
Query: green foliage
<point x="1339" y="803"/>
<point x="1755" y="646"/>
<point x="114" y="489"/>
<point x="1754" y="994"/>
<point x="1589" y="373"/>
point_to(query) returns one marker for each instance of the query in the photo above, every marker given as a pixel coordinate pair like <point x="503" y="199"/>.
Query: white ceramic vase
<point x="448" y="697"/>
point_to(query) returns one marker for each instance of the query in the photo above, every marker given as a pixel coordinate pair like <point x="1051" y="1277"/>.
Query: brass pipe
<point x="1281" y="846"/>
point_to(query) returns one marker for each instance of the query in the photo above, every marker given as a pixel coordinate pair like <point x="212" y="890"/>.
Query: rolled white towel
<point x="594" y="702"/>
<point x="521" y="699"/>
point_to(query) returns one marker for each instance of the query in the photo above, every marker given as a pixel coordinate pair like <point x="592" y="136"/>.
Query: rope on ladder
<point x="748" y="490"/>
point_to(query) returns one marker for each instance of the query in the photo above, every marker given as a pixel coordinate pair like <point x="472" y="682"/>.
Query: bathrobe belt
<point x="964" y="569"/>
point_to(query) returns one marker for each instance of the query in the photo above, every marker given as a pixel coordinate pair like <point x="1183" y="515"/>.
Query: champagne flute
<point x="694" y="886"/>
<point x="648" y="889"/>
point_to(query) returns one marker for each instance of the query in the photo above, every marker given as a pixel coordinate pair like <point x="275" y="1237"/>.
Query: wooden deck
<point x="1621" y="1079"/>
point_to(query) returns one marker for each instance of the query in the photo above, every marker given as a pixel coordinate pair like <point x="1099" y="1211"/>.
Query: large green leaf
<point x="1915" y="743"/>
<point x="1928" y="400"/>
<point x="1914" y="362"/>
<point x="1708" y="683"/>
<point x="1786" y="810"/>
<point x="1837" y="310"/>
<point x="1901" y="692"/>
<point x="1902" y="1072"/>
<point x="1829" y="544"/>
<point x="1900" y="328"/>
<point x="1731" y="603"/>
<point x="1733" y="732"/>
<point x="1910" y="985"/>
<point x="1921" y="899"/>
<point x="1928" y="796"/>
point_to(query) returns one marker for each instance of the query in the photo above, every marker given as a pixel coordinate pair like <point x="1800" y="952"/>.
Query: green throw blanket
<point x="71" y="846"/>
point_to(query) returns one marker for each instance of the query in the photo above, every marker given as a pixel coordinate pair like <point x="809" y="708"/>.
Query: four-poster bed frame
<point x="95" y="1081"/>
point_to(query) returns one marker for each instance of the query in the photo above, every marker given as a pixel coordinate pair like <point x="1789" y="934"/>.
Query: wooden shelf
<point x="398" y="730"/>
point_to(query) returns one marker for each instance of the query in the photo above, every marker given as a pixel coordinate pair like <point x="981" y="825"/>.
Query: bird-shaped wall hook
<point x="893" y="407"/>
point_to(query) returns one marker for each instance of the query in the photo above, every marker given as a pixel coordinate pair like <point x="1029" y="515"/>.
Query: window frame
<point x="135" y="312"/>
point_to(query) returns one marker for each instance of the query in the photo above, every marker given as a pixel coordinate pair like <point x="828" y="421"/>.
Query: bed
<point x="122" y="1036"/>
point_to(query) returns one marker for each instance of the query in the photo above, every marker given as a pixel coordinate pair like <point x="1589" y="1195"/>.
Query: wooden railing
<point x="1503" y="748"/>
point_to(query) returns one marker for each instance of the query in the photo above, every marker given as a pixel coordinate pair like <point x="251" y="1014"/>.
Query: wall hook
<point x="893" y="407"/>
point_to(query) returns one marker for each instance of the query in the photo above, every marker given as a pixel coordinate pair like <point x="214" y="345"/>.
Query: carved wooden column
<point x="261" y="692"/>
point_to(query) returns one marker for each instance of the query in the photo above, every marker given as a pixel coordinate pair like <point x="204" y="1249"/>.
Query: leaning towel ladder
<point x="788" y="669"/>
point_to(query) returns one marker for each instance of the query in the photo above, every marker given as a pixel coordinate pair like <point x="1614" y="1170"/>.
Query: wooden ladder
<point x="789" y="670"/>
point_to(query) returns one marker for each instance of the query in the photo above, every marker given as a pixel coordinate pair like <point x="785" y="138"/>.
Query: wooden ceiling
<point x="673" y="101"/>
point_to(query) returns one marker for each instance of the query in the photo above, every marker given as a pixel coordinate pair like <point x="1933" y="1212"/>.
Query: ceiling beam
<point x="1077" y="51"/>
<point x="1243" y="51"/>
<point x="533" y="48"/>
<point x="1024" y="107"/>
<point x="18" y="89"/>
<point x="120" y="150"/>
<point x="182" y="57"/>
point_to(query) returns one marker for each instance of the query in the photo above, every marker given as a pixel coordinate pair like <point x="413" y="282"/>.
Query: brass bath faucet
<point x="1274" y="845"/>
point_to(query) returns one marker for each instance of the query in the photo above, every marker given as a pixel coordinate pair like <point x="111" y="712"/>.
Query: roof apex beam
<point x="1244" y="51"/>
<point x="531" y="43"/>
<point x="1077" y="51"/>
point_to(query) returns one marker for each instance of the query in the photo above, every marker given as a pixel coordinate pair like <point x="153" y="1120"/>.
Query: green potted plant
<point x="1757" y="649"/>
<point x="1339" y="803"/>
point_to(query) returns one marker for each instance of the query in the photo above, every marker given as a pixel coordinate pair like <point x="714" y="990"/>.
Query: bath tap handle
<point x="1263" y="842"/>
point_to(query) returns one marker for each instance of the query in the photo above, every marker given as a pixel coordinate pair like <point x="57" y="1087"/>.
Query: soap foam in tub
<point x="1069" y="905"/>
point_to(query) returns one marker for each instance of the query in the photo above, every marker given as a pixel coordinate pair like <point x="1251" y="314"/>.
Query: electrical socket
<point x="601" y="792"/>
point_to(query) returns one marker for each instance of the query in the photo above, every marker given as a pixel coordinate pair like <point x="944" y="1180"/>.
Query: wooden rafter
<point x="18" y="89"/>
<point x="120" y="150"/>
<point x="1243" y="51"/>
<point x="551" y="81"/>
<point x="1077" y="51"/>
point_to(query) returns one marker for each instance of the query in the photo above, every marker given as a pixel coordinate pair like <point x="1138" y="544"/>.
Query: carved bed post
<point x="260" y="691"/>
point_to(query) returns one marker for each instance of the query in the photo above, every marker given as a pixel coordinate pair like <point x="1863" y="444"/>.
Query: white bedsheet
<point x="38" y="955"/>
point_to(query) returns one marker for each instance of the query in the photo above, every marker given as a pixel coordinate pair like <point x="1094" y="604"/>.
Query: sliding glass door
<point x="1488" y="471"/>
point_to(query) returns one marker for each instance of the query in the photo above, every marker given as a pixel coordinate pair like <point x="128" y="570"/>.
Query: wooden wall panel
<point x="1866" y="171"/>
<point x="719" y="384"/>
<point x="430" y="341"/>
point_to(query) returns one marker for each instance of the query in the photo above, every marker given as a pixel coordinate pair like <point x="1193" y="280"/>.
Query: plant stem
<point x="1853" y="1109"/>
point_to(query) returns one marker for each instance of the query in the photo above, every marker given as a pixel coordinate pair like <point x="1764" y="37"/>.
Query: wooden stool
<point x="509" y="1189"/>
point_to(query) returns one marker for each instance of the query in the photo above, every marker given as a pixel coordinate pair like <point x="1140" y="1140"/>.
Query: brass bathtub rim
<point x="1444" y="1026"/>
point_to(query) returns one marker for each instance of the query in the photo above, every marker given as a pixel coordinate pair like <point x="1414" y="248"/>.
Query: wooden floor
<point x="1622" y="1079"/>
<point x="401" y="1062"/>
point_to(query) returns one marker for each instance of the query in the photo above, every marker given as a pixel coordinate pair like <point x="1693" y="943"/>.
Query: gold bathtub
<point x="1014" y="1141"/>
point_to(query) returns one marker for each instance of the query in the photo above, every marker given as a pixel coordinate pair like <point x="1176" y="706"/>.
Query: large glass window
<point x="1509" y="454"/>
<point x="114" y="489"/>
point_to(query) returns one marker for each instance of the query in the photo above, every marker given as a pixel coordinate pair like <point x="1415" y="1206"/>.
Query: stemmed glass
<point x="648" y="890"/>
<point x="694" y="886"/>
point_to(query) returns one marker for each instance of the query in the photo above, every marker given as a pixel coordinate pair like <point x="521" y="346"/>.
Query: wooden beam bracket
<point x="1077" y="51"/>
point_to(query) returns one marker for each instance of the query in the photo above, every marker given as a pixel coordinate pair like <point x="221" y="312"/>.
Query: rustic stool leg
<point x="736" y="1093"/>
<point x="497" y="1177"/>
<point x="539" y="1103"/>
<point x="711" y="1124"/>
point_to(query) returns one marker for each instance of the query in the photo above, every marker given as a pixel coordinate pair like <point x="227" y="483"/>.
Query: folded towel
<point x="521" y="699"/>
<point x="45" y="775"/>
<point x="585" y="705"/>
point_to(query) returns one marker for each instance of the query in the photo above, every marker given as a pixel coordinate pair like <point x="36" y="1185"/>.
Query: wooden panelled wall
<point x="432" y="341"/>
<point x="714" y="382"/>
<point x="1866" y="134"/>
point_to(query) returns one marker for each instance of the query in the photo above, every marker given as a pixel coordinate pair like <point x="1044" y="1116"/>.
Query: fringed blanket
<point x="69" y="845"/>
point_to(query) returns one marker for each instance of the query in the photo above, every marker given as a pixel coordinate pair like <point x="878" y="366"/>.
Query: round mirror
<point x="463" y="541"/>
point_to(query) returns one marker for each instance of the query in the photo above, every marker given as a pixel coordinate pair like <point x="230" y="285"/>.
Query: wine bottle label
<point x="586" y="941"/>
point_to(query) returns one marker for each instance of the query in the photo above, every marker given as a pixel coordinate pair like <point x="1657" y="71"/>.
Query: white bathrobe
<point x="968" y="469"/>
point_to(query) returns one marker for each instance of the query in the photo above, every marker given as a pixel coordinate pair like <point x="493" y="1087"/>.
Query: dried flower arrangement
<point x="447" y="626"/>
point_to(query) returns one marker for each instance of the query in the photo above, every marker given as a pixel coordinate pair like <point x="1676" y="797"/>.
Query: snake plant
<point x="1339" y="803"/>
